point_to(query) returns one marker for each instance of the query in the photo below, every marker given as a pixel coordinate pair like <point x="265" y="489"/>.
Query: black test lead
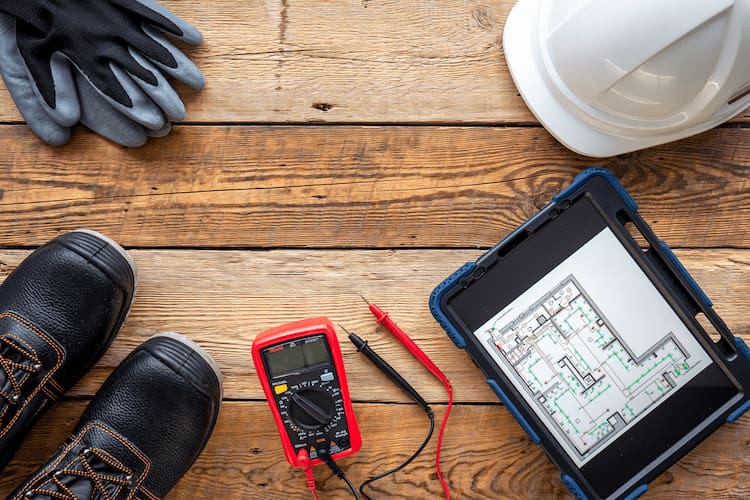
<point x="386" y="368"/>
<point x="382" y="318"/>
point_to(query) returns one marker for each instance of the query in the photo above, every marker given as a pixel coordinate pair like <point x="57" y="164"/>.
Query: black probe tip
<point x="358" y="342"/>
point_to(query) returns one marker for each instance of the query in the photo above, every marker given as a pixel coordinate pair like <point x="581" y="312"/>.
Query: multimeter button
<point x="281" y="388"/>
<point x="326" y="377"/>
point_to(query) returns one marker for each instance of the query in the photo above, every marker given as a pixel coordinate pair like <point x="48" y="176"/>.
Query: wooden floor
<point x="356" y="147"/>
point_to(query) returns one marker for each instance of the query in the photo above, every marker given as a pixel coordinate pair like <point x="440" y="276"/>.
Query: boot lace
<point x="106" y="477"/>
<point x="17" y="363"/>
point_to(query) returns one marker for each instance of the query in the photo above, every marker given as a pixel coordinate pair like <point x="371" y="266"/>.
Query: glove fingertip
<point x="56" y="137"/>
<point x="131" y="136"/>
<point x="191" y="35"/>
<point x="134" y="142"/>
<point x="177" y="115"/>
<point x="189" y="74"/>
<point x="198" y="82"/>
<point x="66" y="116"/>
<point x="162" y="132"/>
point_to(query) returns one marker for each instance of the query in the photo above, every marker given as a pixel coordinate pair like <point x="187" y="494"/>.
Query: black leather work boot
<point x="143" y="430"/>
<point x="59" y="311"/>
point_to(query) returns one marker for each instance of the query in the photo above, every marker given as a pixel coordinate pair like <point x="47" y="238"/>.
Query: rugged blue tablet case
<point x="691" y="287"/>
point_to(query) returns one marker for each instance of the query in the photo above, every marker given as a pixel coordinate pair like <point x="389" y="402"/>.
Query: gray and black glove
<point x="91" y="60"/>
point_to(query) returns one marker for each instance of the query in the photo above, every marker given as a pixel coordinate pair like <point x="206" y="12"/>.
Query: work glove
<point x="102" y="62"/>
<point x="89" y="106"/>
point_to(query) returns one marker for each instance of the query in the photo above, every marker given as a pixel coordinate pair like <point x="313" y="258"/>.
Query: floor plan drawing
<point x="580" y="373"/>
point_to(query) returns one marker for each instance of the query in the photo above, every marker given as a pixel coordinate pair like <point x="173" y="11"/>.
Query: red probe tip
<point x="363" y="298"/>
<point x="376" y="311"/>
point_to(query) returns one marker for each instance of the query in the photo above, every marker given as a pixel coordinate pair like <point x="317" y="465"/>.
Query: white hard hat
<point x="611" y="76"/>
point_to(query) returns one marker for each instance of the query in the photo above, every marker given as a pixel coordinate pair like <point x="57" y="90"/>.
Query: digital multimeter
<point x="302" y="373"/>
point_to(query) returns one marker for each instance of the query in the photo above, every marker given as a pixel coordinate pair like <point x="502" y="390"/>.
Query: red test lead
<point x="382" y="318"/>
<point x="304" y="462"/>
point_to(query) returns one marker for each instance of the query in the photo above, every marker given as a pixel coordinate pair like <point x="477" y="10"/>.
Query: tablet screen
<point x="577" y="324"/>
<point x="593" y="347"/>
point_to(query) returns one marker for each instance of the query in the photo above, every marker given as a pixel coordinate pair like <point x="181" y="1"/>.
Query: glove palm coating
<point x="115" y="47"/>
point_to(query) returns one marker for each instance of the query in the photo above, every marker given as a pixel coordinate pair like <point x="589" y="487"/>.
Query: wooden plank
<point x="306" y="186"/>
<point x="485" y="455"/>
<point x="222" y="299"/>
<point x="357" y="61"/>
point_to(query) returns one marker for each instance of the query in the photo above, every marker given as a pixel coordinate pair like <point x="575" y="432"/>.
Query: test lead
<point x="324" y="454"/>
<point x="382" y="318"/>
<point x="304" y="462"/>
<point x="386" y="368"/>
<point x="363" y="347"/>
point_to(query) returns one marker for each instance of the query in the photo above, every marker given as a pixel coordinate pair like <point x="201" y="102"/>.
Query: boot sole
<point x="131" y="263"/>
<point x="116" y="246"/>
<point x="200" y="351"/>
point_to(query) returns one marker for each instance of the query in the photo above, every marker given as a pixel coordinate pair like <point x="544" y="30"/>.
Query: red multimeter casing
<point x="300" y="367"/>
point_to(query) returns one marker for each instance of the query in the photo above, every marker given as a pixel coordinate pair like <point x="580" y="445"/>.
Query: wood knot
<point x="482" y="17"/>
<point x="322" y="106"/>
<point x="540" y="200"/>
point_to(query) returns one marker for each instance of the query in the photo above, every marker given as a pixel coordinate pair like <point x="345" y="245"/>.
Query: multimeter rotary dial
<point x="311" y="409"/>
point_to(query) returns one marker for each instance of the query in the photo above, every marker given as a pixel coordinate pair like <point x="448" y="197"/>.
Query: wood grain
<point x="356" y="61"/>
<point x="223" y="299"/>
<point x="360" y="187"/>
<point x="485" y="455"/>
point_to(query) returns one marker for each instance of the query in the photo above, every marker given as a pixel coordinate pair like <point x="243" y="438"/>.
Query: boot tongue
<point x="95" y="451"/>
<point x="85" y="475"/>
<point x="80" y="487"/>
<point x="4" y="384"/>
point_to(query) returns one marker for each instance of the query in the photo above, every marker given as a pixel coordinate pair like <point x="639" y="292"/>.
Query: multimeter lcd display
<point x="593" y="346"/>
<point x="295" y="356"/>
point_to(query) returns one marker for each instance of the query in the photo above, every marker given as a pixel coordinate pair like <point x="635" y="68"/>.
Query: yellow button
<point x="280" y="388"/>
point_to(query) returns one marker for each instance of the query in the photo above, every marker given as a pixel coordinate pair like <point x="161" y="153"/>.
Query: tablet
<point x="592" y="341"/>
